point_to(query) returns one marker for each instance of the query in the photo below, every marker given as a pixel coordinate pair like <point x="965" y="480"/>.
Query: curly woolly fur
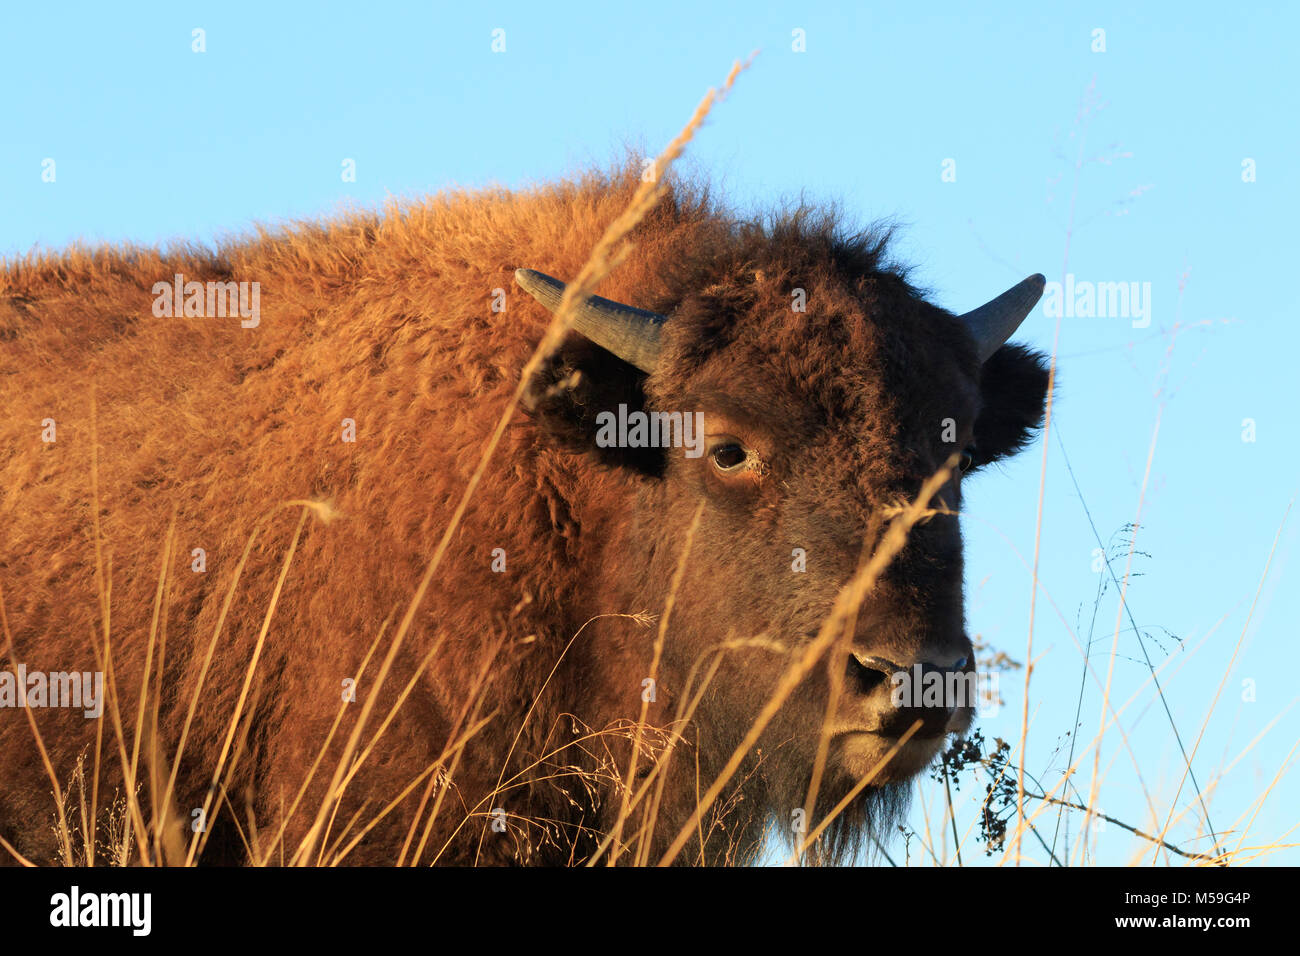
<point x="385" y="319"/>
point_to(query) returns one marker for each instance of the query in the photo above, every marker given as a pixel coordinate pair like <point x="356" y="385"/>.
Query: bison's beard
<point x="756" y="812"/>
<point x="768" y="797"/>
<point x="861" y="831"/>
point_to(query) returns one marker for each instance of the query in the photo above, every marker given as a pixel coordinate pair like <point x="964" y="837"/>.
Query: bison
<point x="227" y="514"/>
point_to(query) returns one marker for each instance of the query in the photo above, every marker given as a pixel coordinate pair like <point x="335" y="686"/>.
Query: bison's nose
<point x="897" y="695"/>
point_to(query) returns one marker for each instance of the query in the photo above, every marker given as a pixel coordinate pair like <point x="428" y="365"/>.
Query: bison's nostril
<point x="896" y="697"/>
<point x="880" y="664"/>
<point x="862" y="678"/>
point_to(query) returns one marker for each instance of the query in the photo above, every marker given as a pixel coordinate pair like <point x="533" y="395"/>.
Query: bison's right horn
<point x="997" y="320"/>
<point x="630" y="333"/>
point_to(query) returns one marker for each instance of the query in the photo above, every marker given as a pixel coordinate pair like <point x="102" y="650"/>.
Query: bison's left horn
<point x="630" y="333"/>
<point x="996" y="321"/>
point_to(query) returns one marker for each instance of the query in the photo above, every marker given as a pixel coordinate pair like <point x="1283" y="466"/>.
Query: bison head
<point x="829" y="390"/>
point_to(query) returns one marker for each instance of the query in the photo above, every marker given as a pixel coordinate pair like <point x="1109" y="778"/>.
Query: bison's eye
<point x="967" y="459"/>
<point x="730" y="456"/>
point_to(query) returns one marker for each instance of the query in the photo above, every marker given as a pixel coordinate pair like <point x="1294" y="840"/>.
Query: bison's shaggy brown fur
<point x="387" y="320"/>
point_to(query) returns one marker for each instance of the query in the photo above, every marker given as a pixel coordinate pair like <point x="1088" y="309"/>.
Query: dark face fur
<point x="815" y="424"/>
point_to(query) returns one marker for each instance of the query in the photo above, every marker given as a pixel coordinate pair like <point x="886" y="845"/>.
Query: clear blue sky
<point x="153" y="142"/>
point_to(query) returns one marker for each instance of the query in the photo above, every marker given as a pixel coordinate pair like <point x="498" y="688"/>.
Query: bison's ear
<point x="1013" y="390"/>
<point x="578" y="382"/>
